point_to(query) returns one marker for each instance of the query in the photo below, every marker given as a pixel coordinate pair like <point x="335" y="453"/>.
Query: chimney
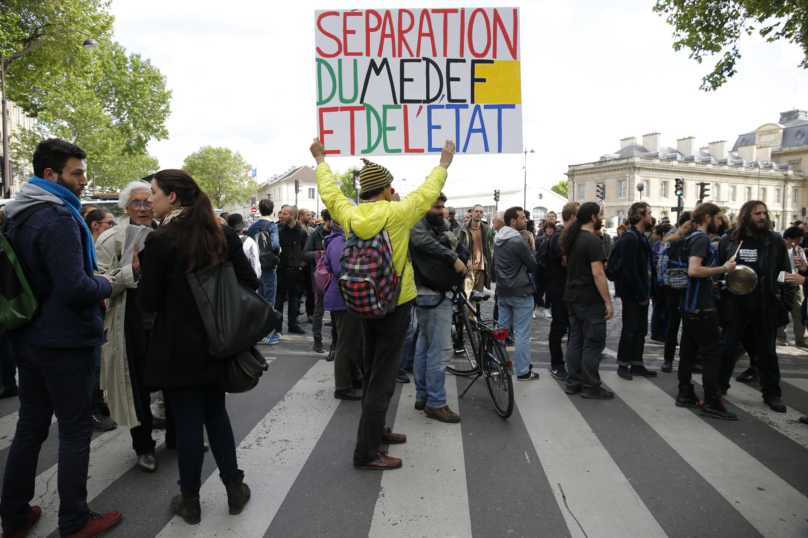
<point x="748" y="152"/>
<point x="764" y="154"/>
<point x="686" y="146"/>
<point x="651" y="142"/>
<point x="624" y="142"/>
<point x="718" y="149"/>
<point x="792" y="115"/>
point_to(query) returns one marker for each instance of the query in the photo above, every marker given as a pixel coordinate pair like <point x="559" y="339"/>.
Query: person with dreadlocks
<point x="383" y="337"/>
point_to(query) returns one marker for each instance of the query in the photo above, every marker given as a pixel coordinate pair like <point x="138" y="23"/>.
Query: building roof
<point x="280" y="177"/>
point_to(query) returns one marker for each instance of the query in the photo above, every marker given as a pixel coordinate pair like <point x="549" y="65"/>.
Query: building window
<point x="777" y="196"/>
<point x="763" y="195"/>
<point x="646" y="186"/>
<point x="311" y="193"/>
<point x="621" y="188"/>
<point x="795" y="198"/>
<point x="539" y="213"/>
<point x="581" y="191"/>
<point x="717" y="192"/>
<point x="732" y="193"/>
<point x="663" y="189"/>
<point x="748" y="195"/>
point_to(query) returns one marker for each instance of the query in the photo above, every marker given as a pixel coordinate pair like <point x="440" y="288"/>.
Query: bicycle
<point x="488" y="357"/>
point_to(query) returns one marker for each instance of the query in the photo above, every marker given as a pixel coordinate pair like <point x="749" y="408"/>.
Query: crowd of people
<point x="120" y="325"/>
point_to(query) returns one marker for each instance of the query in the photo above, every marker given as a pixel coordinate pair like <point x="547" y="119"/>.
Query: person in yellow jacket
<point x="383" y="337"/>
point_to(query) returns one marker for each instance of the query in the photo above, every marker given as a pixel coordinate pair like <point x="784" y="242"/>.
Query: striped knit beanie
<point x="374" y="176"/>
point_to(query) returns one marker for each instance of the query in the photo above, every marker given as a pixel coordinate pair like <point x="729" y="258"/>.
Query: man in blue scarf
<point x="54" y="351"/>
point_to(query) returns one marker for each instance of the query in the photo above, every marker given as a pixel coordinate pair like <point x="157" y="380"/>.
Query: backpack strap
<point x="22" y="217"/>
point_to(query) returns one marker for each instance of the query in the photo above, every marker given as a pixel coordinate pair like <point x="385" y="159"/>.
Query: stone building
<point x="769" y="164"/>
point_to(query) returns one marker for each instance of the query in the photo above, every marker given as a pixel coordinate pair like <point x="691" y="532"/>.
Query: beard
<point x="712" y="228"/>
<point x="598" y="225"/>
<point x="759" y="231"/>
<point x="435" y="219"/>
<point x="75" y="190"/>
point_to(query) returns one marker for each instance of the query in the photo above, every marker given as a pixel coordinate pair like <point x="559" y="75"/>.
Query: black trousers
<point x="309" y="287"/>
<point x="51" y="381"/>
<point x="288" y="288"/>
<point x="672" y="337"/>
<point x="142" y="440"/>
<point x="632" y="337"/>
<point x="768" y="367"/>
<point x="700" y="336"/>
<point x="559" y="326"/>
<point x="384" y="341"/>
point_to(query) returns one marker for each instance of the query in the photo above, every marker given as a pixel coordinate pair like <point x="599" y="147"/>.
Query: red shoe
<point x="383" y="462"/>
<point x="390" y="438"/>
<point x="35" y="513"/>
<point x="98" y="524"/>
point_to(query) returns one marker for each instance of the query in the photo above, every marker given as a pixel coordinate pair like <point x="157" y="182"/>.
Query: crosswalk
<point x="635" y="466"/>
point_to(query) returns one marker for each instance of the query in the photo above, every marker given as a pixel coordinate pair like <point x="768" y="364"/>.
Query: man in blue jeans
<point x="269" y="276"/>
<point x="513" y="263"/>
<point x="433" y="245"/>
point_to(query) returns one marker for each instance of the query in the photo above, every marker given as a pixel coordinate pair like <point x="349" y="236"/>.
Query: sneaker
<point x="98" y="524"/>
<point x="642" y="371"/>
<point x="598" y="394"/>
<point x="296" y="330"/>
<point x="559" y="372"/>
<point x="272" y="339"/>
<point x="749" y="376"/>
<point x="534" y="314"/>
<point x="318" y="347"/>
<point x="548" y="313"/>
<point x="443" y="414"/>
<point x="775" y="404"/>
<point x="102" y="423"/>
<point x="403" y="377"/>
<point x="529" y="376"/>
<point x="624" y="373"/>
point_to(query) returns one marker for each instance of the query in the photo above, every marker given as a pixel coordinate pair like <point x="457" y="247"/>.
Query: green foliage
<point x="112" y="111"/>
<point x="346" y="178"/>
<point x="220" y="173"/>
<point x="708" y="27"/>
<point x="562" y="188"/>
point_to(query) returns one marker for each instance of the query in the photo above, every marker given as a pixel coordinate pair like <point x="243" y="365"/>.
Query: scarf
<point x="174" y="214"/>
<point x="74" y="205"/>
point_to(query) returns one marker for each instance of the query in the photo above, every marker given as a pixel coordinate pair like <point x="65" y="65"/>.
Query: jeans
<point x="659" y="319"/>
<point x="294" y="303"/>
<point x="408" y="354"/>
<point x="434" y="351"/>
<point x="317" y="321"/>
<point x="768" y="367"/>
<point x="8" y="370"/>
<point x="97" y="368"/>
<point x="674" y="317"/>
<point x="586" y="343"/>
<point x="195" y="408"/>
<point x="700" y="336"/>
<point x="348" y="355"/>
<point x="384" y="340"/>
<point x="559" y="326"/>
<point x="142" y="441"/>
<point x="632" y="338"/>
<point x="51" y="381"/>
<point x="268" y="285"/>
<point x="518" y="313"/>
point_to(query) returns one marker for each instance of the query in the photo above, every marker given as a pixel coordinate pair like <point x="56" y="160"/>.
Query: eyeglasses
<point x="110" y="223"/>
<point x="136" y="205"/>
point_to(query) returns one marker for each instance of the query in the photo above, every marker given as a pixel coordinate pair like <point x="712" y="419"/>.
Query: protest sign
<point x="395" y="82"/>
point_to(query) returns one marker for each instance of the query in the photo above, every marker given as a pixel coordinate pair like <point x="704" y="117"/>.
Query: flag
<point x="251" y="173"/>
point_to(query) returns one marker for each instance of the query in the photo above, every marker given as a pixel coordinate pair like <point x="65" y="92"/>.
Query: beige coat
<point x="115" y="373"/>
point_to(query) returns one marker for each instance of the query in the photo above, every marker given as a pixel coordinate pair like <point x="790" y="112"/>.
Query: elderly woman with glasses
<point x="128" y="329"/>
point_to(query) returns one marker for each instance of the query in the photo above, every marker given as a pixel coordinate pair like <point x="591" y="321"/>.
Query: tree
<point x="220" y="173"/>
<point x="346" y="178"/>
<point x="707" y="27"/>
<point x="112" y="111"/>
<point x="562" y="188"/>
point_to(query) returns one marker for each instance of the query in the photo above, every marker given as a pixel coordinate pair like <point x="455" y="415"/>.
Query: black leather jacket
<point x="776" y="298"/>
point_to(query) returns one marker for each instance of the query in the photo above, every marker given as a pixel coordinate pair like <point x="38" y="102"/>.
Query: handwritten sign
<point x="393" y="82"/>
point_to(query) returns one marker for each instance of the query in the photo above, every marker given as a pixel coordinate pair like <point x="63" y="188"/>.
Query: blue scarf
<point x="74" y="205"/>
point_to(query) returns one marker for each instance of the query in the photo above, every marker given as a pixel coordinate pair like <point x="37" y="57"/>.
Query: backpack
<point x="20" y="296"/>
<point x="322" y="277"/>
<point x="438" y="274"/>
<point x="673" y="262"/>
<point x="263" y="238"/>
<point x="369" y="284"/>
<point x="614" y="263"/>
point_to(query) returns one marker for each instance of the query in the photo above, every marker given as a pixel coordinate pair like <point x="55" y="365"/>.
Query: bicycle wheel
<point x="497" y="378"/>
<point x="464" y="339"/>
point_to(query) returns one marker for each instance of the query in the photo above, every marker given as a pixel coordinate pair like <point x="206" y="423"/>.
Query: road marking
<point x="751" y="401"/>
<point x="8" y="426"/>
<point x="799" y="382"/>
<point x="271" y="456"/>
<point x="428" y="496"/>
<point x="111" y="456"/>
<point x="609" y="352"/>
<point x="769" y="503"/>
<point x="597" y="492"/>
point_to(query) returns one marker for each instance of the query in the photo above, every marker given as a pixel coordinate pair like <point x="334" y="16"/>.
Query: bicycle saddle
<point x="476" y="296"/>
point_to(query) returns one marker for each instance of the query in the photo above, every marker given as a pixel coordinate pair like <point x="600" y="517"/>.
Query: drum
<point x="742" y="280"/>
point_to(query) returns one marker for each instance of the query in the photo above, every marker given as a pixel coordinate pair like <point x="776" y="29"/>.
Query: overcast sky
<point x="243" y="77"/>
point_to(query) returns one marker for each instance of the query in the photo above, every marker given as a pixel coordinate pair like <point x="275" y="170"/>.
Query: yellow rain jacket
<point x="398" y="218"/>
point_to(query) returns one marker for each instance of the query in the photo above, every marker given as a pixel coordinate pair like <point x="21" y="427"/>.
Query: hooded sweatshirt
<point x="368" y="219"/>
<point x="511" y="256"/>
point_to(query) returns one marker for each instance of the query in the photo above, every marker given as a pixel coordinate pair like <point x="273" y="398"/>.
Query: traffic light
<point x="496" y="195"/>
<point x="680" y="187"/>
<point x="601" y="189"/>
<point x="704" y="190"/>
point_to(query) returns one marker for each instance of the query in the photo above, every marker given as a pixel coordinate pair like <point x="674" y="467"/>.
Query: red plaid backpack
<point x="369" y="284"/>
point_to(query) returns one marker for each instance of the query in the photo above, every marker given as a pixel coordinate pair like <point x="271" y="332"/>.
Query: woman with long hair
<point x="99" y="221"/>
<point x="189" y="239"/>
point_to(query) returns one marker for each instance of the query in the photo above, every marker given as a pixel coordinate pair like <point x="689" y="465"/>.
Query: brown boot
<point x="443" y="414"/>
<point x="383" y="462"/>
<point x="390" y="438"/>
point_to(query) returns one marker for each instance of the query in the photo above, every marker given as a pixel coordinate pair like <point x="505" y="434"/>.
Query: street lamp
<point x="524" y="203"/>
<point x="89" y="44"/>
